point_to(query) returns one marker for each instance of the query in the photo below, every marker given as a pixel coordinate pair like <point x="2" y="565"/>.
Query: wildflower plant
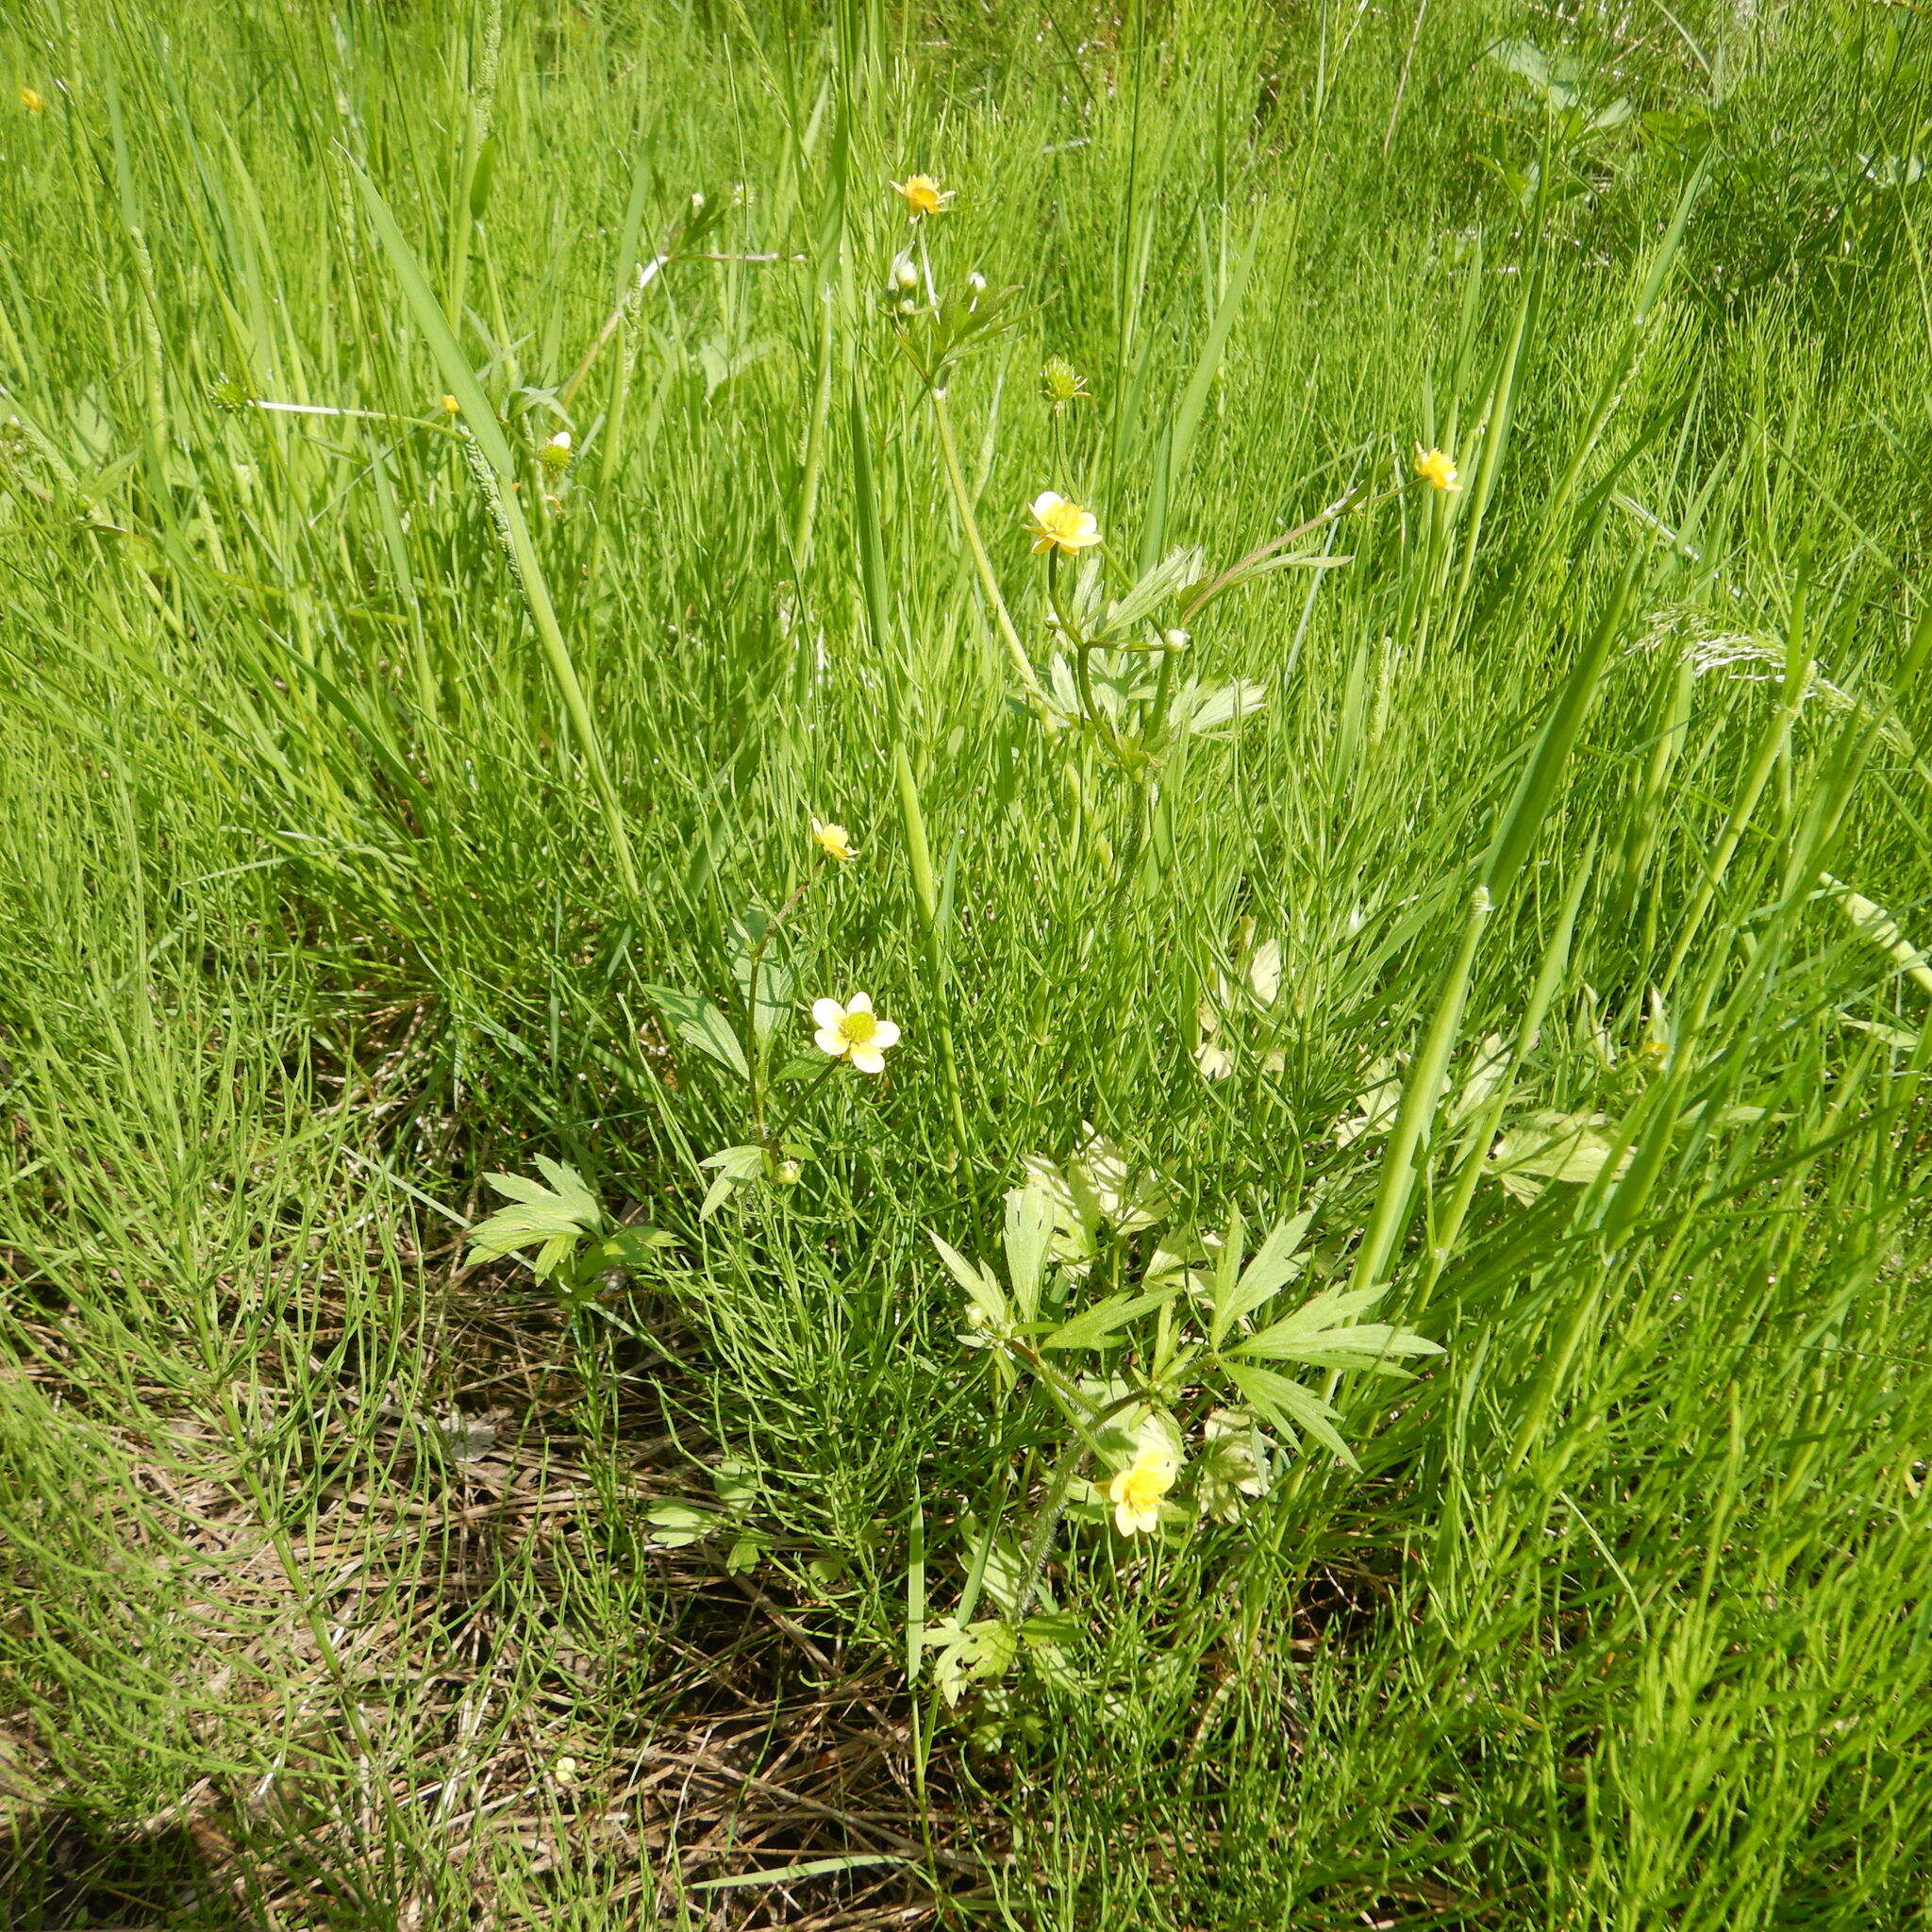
<point x="747" y="1032"/>
<point x="1155" y="1367"/>
<point x="578" y="1244"/>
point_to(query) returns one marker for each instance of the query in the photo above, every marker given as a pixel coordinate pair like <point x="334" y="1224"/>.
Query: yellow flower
<point x="923" y="195"/>
<point x="555" y="454"/>
<point x="1058" y="525"/>
<point x="32" y="102"/>
<point x="451" y="406"/>
<point x="834" y="841"/>
<point x="1437" y="468"/>
<point x="853" y="1032"/>
<point x="1136" y="1491"/>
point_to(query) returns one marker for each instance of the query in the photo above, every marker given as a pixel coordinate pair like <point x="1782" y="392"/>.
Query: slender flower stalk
<point x="962" y="502"/>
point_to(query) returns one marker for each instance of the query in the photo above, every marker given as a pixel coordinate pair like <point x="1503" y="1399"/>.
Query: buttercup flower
<point x="1057" y="524"/>
<point x="834" y="841"/>
<point x="32" y="102"/>
<point x="923" y="195"/>
<point x="853" y="1032"/>
<point x="1437" y="468"/>
<point x="451" y="406"/>
<point x="1136" y="1491"/>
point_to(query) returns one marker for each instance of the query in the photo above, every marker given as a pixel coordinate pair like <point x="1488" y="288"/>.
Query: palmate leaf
<point x="1277" y="1263"/>
<point x="700" y="1023"/>
<point x="1201" y="709"/>
<point x="1325" y="1334"/>
<point x="1095" y="1327"/>
<point x="1551" y="1146"/>
<point x="555" y="1219"/>
<point x="1029" y="1234"/>
<point x="1289" y="1409"/>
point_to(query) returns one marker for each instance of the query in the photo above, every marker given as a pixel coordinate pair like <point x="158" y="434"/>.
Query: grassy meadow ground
<point x="1502" y="911"/>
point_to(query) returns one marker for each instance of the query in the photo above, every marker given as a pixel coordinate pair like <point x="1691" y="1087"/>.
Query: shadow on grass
<point x="63" y="1872"/>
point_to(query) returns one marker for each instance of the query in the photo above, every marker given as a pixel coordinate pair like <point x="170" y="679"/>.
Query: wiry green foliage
<point x="1512" y="898"/>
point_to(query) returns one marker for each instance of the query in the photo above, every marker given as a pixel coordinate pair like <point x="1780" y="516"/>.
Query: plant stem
<point x="969" y="523"/>
<point x="920" y="855"/>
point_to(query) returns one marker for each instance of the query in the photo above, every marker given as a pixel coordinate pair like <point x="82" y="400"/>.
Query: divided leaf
<point x="1277" y="1263"/>
<point x="983" y="1291"/>
<point x="700" y="1023"/>
<point x="1093" y="1326"/>
<point x="1179" y="570"/>
<point x="555" y="1218"/>
<point x="1029" y="1233"/>
<point x="1287" y="1407"/>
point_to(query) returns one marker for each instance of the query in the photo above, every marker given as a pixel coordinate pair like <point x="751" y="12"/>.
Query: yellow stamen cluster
<point x="853" y="1032"/>
<point x="1437" y="468"/>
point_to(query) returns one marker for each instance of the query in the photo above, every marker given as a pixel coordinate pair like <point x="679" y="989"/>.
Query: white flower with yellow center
<point x="1138" y="1490"/>
<point x="1058" y="525"/>
<point x="853" y="1032"/>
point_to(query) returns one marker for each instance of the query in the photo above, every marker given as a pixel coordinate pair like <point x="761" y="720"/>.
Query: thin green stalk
<point x="913" y="821"/>
<point x="1419" y="1097"/>
<point x="1771" y="747"/>
<point x="969" y="525"/>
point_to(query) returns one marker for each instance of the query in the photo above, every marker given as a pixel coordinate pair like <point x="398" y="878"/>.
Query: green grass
<point x="349" y="856"/>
